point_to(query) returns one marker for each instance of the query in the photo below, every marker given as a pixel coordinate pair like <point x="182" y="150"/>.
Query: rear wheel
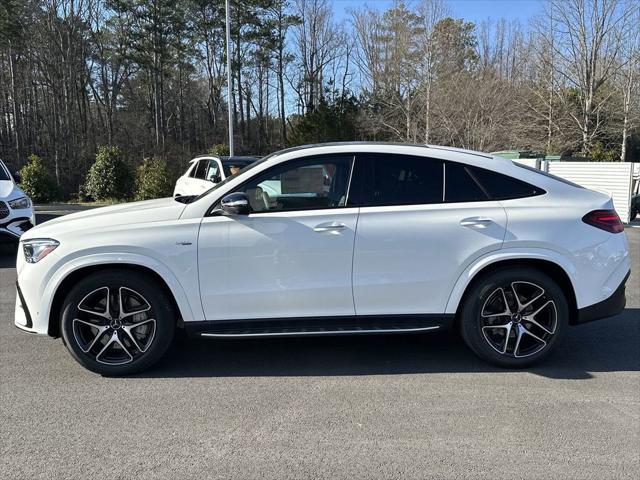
<point x="117" y="323"/>
<point x="514" y="317"/>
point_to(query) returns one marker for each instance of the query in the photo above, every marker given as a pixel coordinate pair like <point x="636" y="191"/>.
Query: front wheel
<point x="514" y="317"/>
<point x="117" y="322"/>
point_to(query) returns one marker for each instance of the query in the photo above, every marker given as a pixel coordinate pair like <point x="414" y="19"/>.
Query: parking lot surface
<point x="347" y="407"/>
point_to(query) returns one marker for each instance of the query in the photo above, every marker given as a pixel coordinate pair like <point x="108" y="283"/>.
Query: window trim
<point x="211" y="212"/>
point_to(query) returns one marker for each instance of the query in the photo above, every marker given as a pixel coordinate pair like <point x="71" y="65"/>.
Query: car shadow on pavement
<point x="608" y="345"/>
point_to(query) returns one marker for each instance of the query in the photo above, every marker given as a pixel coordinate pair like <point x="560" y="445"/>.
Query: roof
<point x="374" y="144"/>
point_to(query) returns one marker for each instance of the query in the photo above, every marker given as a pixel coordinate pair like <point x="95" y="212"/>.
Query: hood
<point x="163" y="209"/>
<point x="9" y="190"/>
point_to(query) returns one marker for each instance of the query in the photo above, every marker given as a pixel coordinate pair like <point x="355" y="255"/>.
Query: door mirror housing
<point x="235" y="204"/>
<point x="17" y="177"/>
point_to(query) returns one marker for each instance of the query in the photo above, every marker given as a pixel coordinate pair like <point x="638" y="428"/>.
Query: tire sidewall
<point x="148" y="288"/>
<point x="470" y="317"/>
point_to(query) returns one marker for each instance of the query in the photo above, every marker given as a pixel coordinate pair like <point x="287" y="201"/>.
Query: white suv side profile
<point x="205" y="171"/>
<point x="334" y="239"/>
<point x="16" y="210"/>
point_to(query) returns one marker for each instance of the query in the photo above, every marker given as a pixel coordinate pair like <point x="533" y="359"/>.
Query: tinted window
<point x="309" y="184"/>
<point x="460" y="185"/>
<point x="200" y="170"/>
<point x="503" y="187"/>
<point x="387" y="179"/>
<point x="3" y="174"/>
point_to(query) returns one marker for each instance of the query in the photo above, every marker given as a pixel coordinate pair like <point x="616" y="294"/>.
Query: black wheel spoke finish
<point x="518" y="319"/>
<point x="115" y="326"/>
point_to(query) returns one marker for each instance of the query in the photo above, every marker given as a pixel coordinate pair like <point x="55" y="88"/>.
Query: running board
<point x="301" y="327"/>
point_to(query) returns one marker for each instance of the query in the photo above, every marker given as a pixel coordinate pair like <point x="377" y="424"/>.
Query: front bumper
<point x="12" y="229"/>
<point x="606" y="308"/>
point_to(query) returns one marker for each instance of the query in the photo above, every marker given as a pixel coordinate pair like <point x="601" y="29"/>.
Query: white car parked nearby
<point x="206" y="171"/>
<point x="16" y="210"/>
<point x="335" y="239"/>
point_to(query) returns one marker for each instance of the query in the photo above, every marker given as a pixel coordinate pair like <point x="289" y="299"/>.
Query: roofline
<point x="373" y="144"/>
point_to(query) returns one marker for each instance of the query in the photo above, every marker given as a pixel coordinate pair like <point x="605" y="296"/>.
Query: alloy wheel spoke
<point x="539" y="325"/>
<point x="128" y="329"/>
<point x="507" y="311"/>
<point x="101" y="330"/>
<point x="522" y="306"/>
<point x="121" y="312"/>
<point x="114" y="340"/>
<point x="107" y="312"/>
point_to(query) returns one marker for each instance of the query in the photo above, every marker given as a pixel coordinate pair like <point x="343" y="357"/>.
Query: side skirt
<point x="314" y="326"/>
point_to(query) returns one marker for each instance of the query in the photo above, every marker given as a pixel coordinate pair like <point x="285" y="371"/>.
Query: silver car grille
<point x="4" y="210"/>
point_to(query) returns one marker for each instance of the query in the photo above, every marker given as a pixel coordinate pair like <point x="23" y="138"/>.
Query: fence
<point x="613" y="178"/>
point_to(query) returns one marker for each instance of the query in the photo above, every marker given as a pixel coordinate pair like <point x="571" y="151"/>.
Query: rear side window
<point x="460" y="186"/>
<point x="503" y="187"/>
<point x="388" y="179"/>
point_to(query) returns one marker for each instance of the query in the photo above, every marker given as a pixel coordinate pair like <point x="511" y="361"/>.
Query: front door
<point x="291" y="256"/>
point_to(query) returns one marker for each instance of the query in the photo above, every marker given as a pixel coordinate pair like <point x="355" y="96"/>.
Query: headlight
<point x="38" y="248"/>
<point x="18" y="203"/>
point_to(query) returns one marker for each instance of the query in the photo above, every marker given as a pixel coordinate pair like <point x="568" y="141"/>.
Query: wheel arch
<point x="545" y="265"/>
<point x="74" y="276"/>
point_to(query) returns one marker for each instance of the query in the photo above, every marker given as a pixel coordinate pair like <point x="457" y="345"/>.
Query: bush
<point x="109" y="177"/>
<point x="37" y="182"/>
<point x="219" y="149"/>
<point x="153" y="180"/>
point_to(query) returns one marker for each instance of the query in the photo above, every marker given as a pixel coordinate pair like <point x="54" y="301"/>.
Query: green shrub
<point x="219" y="149"/>
<point x="153" y="180"/>
<point x="37" y="182"/>
<point x="109" y="177"/>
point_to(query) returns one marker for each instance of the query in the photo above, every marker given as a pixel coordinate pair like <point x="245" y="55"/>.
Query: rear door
<point x="413" y="238"/>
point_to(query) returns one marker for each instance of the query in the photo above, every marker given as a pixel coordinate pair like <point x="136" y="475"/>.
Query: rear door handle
<point x="476" y="222"/>
<point x="329" y="227"/>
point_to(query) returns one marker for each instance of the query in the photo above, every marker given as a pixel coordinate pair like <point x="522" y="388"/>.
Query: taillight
<point x="607" y="220"/>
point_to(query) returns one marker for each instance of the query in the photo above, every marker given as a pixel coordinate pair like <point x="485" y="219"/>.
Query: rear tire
<point x="514" y="317"/>
<point x="117" y="322"/>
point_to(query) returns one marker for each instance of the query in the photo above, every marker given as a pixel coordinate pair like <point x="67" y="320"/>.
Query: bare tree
<point x="589" y="36"/>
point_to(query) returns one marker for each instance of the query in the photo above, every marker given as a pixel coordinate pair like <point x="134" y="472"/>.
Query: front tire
<point x="117" y="322"/>
<point x="514" y="317"/>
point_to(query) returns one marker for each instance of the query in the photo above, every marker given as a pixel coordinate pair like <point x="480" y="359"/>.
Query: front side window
<point x="392" y="179"/>
<point x="309" y="184"/>
<point x="200" y="170"/>
<point x="213" y="171"/>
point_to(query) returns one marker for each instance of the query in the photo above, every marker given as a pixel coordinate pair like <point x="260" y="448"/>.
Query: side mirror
<point x="17" y="177"/>
<point x="235" y="204"/>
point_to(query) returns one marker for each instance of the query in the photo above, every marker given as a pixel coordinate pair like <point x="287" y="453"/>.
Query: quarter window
<point x="503" y="187"/>
<point x="309" y="184"/>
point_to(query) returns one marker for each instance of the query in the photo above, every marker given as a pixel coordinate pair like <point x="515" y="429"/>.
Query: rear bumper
<point x="606" y="308"/>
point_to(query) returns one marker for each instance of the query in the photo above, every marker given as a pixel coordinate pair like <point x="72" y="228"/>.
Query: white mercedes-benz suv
<point x="354" y="238"/>
<point x="16" y="210"/>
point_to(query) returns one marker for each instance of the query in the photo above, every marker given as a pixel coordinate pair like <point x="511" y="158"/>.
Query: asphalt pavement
<point x="394" y="407"/>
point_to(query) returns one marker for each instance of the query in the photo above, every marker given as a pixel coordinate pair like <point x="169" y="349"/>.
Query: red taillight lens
<point x="607" y="220"/>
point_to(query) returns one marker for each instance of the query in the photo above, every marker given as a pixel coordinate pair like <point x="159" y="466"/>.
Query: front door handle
<point x="329" y="227"/>
<point x="476" y="222"/>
